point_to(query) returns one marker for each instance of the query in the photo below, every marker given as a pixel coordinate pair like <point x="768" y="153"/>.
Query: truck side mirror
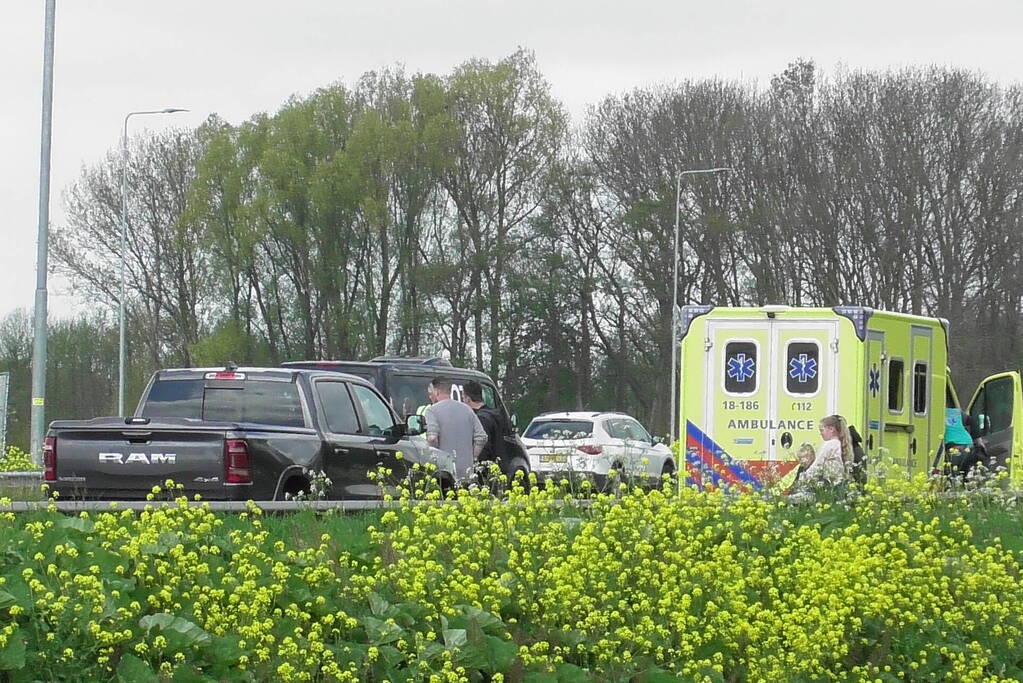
<point x="415" y="425"/>
<point x="397" y="431"/>
<point x="656" y="440"/>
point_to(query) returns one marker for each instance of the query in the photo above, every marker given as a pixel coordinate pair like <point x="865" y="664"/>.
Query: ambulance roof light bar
<point x="859" y="315"/>
<point x="688" y="314"/>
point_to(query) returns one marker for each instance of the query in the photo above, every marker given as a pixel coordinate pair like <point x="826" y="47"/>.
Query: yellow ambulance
<point x="757" y="381"/>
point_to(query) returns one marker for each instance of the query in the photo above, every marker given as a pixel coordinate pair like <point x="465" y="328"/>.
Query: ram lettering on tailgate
<point x="147" y="458"/>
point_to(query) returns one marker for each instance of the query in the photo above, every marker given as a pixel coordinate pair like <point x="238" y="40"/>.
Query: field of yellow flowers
<point x="635" y="586"/>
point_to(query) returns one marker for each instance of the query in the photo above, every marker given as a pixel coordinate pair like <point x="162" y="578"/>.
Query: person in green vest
<point x="961" y="453"/>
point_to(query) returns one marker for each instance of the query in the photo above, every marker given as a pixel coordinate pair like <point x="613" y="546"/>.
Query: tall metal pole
<point x="42" y="253"/>
<point x="674" y="321"/>
<point x="675" y="383"/>
<point x="121" y="354"/>
<point x="124" y="258"/>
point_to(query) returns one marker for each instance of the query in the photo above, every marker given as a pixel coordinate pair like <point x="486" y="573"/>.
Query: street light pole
<point x="123" y="250"/>
<point x="40" y="330"/>
<point x="674" y="383"/>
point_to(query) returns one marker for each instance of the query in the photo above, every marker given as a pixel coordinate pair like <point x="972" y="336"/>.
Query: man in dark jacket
<point x="472" y="395"/>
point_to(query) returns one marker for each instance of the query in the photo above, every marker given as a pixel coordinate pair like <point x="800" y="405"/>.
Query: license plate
<point x="554" y="457"/>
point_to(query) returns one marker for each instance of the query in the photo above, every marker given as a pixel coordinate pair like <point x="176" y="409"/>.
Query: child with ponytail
<point x="834" y="456"/>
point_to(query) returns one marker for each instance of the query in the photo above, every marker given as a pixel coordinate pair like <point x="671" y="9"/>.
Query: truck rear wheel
<point x="294" y="487"/>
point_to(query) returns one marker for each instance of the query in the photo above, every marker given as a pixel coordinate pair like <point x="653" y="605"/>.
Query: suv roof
<point x="262" y="372"/>
<point x="435" y="366"/>
<point x="399" y="360"/>
<point x="580" y="415"/>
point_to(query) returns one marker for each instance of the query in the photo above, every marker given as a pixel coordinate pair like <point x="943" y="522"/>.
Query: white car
<point x="592" y="443"/>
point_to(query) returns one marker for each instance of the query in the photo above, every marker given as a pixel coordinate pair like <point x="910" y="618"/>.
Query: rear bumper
<point x="240" y="493"/>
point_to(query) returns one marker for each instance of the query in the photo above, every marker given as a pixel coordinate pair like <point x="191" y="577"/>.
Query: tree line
<point x="466" y="215"/>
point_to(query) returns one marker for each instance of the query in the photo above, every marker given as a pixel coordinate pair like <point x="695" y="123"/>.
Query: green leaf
<point x="86" y="526"/>
<point x="570" y="637"/>
<point x="431" y="651"/>
<point x="391" y="655"/>
<point x="377" y="605"/>
<point x="379" y="632"/>
<point x="12" y="656"/>
<point x="538" y="677"/>
<point x="501" y="654"/>
<point x="191" y="634"/>
<point x="656" y="675"/>
<point x="131" y="669"/>
<point x="455" y="637"/>
<point x="188" y="674"/>
<point x="570" y="673"/>
<point x="225" y="651"/>
<point x="6" y="600"/>
<point x="487" y="621"/>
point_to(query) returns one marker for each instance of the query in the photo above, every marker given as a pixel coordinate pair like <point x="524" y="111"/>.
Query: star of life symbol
<point x="740" y="367"/>
<point x="803" y="369"/>
<point x="875" y="380"/>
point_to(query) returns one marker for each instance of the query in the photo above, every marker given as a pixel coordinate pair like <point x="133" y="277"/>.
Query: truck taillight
<point x="236" y="462"/>
<point x="50" y="458"/>
<point x="591" y="450"/>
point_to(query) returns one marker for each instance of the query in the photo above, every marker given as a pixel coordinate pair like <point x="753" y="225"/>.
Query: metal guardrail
<point x="76" y="506"/>
<point x="22" y="478"/>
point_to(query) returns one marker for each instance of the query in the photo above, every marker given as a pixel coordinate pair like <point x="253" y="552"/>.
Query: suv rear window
<point x="559" y="429"/>
<point x="251" y="400"/>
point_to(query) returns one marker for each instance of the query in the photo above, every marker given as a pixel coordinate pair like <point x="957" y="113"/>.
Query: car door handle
<point x="384" y="454"/>
<point x="342" y="450"/>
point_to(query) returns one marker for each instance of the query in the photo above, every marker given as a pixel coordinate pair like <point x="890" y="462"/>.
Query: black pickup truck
<point x="240" y="434"/>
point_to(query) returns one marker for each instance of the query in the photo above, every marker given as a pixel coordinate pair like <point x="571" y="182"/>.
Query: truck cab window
<point x="337" y="407"/>
<point x="378" y="417"/>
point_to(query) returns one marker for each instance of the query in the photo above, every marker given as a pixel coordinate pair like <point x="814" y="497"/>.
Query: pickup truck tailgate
<point x="100" y="459"/>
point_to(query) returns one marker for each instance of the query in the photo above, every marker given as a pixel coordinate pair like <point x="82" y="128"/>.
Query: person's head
<point x="472" y="392"/>
<point x="439" y="389"/>
<point x="806" y="455"/>
<point x="835" y="427"/>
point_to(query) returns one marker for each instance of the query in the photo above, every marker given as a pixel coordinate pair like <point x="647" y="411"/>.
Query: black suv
<point x="403" y="382"/>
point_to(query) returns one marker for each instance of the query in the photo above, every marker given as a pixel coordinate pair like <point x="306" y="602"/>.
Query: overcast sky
<point x="237" y="58"/>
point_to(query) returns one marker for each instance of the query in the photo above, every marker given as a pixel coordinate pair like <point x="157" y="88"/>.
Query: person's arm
<point x="479" y="437"/>
<point x="432" y="428"/>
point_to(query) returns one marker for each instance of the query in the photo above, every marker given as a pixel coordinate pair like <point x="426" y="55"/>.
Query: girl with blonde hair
<point x="835" y="456"/>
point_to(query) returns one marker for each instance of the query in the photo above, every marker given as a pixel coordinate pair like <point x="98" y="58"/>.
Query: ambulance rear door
<point x="738" y="372"/>
<point x="805" y="359"/>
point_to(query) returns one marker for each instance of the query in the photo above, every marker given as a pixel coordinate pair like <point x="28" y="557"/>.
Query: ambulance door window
<point x="920" y="388"/>
<point x="802" y="364"/>
<point x="740" y="368"/>
<point x="992" y="411"/>
<point x="896" y="369"/>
